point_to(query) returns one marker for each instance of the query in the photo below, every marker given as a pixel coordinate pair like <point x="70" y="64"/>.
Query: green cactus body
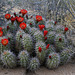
<point x="59" y="29"/>
<point x="34" y="64"/>
<point x="50" y="50"/>
<point x="38" y="36"/>
<point x="60" y="44"/>
<point x="50" y="22"/>
<point x="49" y="27"/>
<point x="11" y="40"/>
<point x="27" y="42"/>
<point x="8" y="59"/>
<point x="12" y="28"/>
<point x="65" y="56"/>
<point x="53" y="61"/>
<point x="31" y="22"/>
<point x="19" y="35"/>
<point x="51" y="37"/>
<point x="41" y="55"/>
<point x="33" y="30"/>
<point x="4" y="29"/>
<point x="2" y="47"/>
<point x="26" y="30"/>
<point x="23" y="58"/>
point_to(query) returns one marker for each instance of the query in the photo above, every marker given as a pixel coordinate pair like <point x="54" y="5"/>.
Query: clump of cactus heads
<point x="33" y="30"/>
<point x="19" y="35"/>
<point x="40" y="49"/>
<point x="38" y="36"/>
<point x="51" y="37"/>
<point x="8" y="59"/>
<point x="27" y="42"/>
<point x="50" y="50"/>
<point x="23" y="58"/>
<point x="59" y="29"/>
<point x="3" y="44"/>
<point x="60" y="42"/>
<point x="31" y="22"/>
<point x="65" y="55"/>
<point x="53" y="60"/>
<point x="34" y="64"/>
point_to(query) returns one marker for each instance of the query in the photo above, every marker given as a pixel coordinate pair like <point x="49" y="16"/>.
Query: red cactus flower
<point x="45" y="38"/>
<point x="66" y="29"/>
<point x="1" y="33"/>
<point x="4" y="41"/>
<point x="5" y="53"/>
<point x="41" y="27"/>
<point x="23" y="25"/>
<point x="23" y="11"/>
<point x="47" y="46"/>
<point x="40" y="49"/>
<point x="45" y="32"/>
<point x="38" y="18"/>
<point x="13" y="19"/>
<point x="20" y="19"/>
<point x="0" y="28"/>
<point x="7" y="16"/>
<point x="50" y="56"/>
<point x="60" y="39"/>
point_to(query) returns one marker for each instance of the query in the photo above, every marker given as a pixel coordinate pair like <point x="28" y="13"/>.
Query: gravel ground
<point x="68" y="69"/>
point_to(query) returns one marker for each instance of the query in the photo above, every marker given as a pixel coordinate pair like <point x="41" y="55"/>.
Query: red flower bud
<point x="50" y="57"/>
<point x="47" y="46"/>
<point x="60" y="39"/>
<point x="40" y="49"/>
<point x="45" y="32"/>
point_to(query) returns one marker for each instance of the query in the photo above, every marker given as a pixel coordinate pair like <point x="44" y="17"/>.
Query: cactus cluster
<point x="32" y="42"/>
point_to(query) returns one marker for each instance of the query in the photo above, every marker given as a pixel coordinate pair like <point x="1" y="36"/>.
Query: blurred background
<point x="62" y="11"/>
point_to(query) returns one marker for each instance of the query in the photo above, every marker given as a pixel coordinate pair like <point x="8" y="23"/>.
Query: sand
<point x="67" y="69"/>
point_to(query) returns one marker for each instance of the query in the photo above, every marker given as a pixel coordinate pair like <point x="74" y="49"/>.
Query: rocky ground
<point x="68" y="69"/>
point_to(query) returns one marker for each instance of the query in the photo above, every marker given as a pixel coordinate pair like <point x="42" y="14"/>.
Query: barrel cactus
<point x="53" y="60"/>
<point x="34" y="64"/>
<point x="27" y="42"/>
<point x="40" y="49"/>
<point x="38" y="36"/>
<point x="51" y="37"/>
<point x="23" y="58"/>
<point x="65" y="55"/>
<point x="18" y="38"/>
<point x="8" y="59"/>
<point x="60" y="42"/>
